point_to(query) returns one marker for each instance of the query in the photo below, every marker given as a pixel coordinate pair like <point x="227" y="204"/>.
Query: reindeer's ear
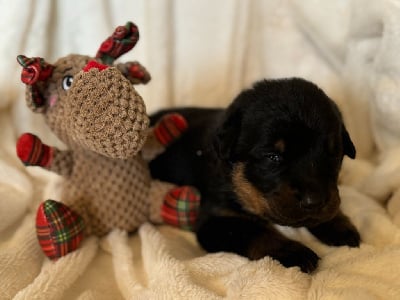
<point x="35" y="72"/>
<point x="121" y="41"/>
<point x="134" y="72"/>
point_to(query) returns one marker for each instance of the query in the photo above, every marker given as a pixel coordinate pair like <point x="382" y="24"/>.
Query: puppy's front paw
<point x="337" y="232"/>
<point x="296" y="254"/>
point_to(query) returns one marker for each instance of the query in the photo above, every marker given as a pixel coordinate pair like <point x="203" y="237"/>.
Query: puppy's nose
<point x="310" y="203"/>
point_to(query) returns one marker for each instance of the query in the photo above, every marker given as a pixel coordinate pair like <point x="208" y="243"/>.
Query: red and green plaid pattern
<point x="137" y="71"/>
<point x="32" y="152"/>
<point x="180" y="207"/>
<point x="34" y="69"/>
<point x="58" y="228"/>
<point x="170" y="128"/>
<point x="121" y="41"/>
<point x="37" y="99"/>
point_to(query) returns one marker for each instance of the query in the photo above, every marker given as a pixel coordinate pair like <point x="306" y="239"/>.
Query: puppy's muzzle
<point x="311" y="202"/>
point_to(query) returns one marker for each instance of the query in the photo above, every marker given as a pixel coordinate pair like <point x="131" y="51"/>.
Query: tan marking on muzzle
<point x="249" y="196"/>
<point x="280" y="145"/>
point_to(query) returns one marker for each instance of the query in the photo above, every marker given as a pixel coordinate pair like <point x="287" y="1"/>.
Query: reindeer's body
<point x="95" y="110"/>
<point x="111" y="193"/>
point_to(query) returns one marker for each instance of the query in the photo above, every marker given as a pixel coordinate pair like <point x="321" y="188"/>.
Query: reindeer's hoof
<point x="32" y="152"/>
<point x="181" y="206"/>
<point x="58" y="228"/>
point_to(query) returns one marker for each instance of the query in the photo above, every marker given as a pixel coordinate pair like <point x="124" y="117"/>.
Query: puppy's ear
<point x="227" y="134"/>
<point x="348" y="146"/>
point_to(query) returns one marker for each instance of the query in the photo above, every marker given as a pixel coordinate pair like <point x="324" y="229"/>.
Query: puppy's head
<point x="284" y="141"/>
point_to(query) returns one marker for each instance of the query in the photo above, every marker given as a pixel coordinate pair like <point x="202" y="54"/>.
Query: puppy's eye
<point x="274" y="157"/>
<point x="67" y="82"/>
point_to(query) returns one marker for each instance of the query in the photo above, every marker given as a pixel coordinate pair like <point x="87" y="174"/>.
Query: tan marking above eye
<point x="280" y="145"/>
<point x="249" y="196"/>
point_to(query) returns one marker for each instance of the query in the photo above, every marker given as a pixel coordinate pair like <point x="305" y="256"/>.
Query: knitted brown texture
<point x="103" y="121"/>
<point x="62" y="162"/>
<point x="101" y="107"/>
<point x="108" y="193"/>
<point x="101" y="117"/>
<point x="152" y="148"/>
<point x="56" y="115"/>
<point x="29" y="96"/>
<point x="157" y="192"/>
<point x="107" y="115"/>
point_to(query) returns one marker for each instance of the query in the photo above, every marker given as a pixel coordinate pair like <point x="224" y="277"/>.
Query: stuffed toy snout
<point x="114" y="122"/>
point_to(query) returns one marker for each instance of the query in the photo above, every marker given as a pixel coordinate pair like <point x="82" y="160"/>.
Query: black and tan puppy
<point x="272" y="157"/>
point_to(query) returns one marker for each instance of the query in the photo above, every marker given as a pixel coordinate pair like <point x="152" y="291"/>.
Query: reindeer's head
<point x="87" y="101"/>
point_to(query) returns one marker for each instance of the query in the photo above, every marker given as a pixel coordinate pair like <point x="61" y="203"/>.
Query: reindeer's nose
<point x="94" y="64"/>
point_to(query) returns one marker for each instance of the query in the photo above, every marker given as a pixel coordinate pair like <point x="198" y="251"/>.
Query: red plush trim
<point x="59" y="229"/>
<point x="170" y="128"/>
<point x="43" y="232"/>
<point x="180" y="207"/>
<point x="94" y="64"/>
<point x="24" y="146"/>
<point x="32" y="152"/>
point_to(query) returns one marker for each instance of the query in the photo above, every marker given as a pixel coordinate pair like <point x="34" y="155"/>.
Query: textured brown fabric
<point x="106" y="114"/>
<point x="112" y="193"/>
<point x="62" y="162"/>
<point x="152" y="147"/>
<point x="103" y="121"/>
<point x="101" y="107"/>
<point x="157" y="192"/>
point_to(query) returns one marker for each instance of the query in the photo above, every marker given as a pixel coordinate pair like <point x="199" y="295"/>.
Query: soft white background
<point x="203" y="52"/>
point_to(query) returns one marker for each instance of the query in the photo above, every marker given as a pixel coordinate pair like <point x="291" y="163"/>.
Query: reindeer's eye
<point x="67" y="82"/>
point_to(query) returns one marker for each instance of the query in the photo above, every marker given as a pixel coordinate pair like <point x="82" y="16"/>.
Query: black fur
<point x="273" y="156"/>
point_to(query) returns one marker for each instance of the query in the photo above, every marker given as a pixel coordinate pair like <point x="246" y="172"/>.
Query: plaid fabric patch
<point x="181" y="206"/>
<point x="121" y="41"/>
<point x="170" y="128"/>
<point x="34" y="69"/>
<point x="136" y="71"/>
<point x="32" y="152"/>
<point x="58" y="228"/>
<point x="37" y="98"/>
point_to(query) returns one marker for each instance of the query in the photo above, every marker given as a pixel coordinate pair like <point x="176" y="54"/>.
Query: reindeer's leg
<point x="176" y="206"/>
<point x="168" y="129"/>
<point x="59" y="229"/>
<point x="59" y="226"/>
<point x="32" y="152"/>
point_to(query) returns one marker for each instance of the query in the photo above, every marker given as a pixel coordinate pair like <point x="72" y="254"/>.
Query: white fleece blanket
<point x="203" y="53"/>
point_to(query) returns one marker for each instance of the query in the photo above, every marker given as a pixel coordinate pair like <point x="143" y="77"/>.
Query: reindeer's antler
<point x="121" y="41"/>
<point x="35" y="70"/>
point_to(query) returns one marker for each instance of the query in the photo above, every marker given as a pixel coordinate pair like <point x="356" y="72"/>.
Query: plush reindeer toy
<point x="92" y="106"/>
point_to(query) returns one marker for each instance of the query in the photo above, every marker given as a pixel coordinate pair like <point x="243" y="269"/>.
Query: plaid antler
<point x="35" y="70"/>
<point x="121" y="41"/>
